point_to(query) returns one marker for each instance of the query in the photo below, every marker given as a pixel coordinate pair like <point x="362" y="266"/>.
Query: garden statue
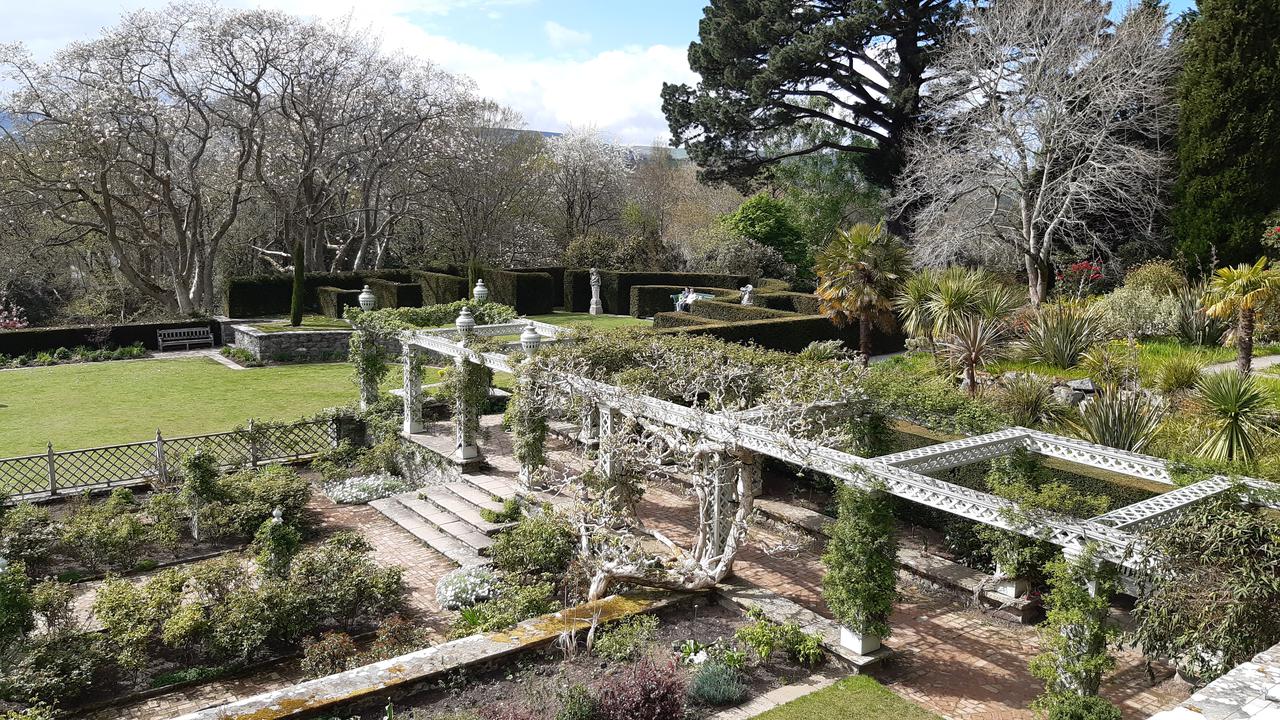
<point x="747" y="292"/>
<point x="597" y="308"/>
<point x="367" y="299"/>
<point x="480" y="292"/>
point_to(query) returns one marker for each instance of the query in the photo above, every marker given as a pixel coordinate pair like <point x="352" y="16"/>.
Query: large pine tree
<point x="1229" y="130"/>
<point x="851" y="67"/>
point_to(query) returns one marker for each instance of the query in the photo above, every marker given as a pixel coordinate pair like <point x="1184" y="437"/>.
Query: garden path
<point x="392" y="546"/>
<point x="949" y="658"/>
<point x="1258" y="363"/>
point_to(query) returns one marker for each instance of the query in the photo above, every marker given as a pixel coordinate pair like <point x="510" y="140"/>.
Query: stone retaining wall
<point x="1251" y="691"/>
<point x="294" y="345"/>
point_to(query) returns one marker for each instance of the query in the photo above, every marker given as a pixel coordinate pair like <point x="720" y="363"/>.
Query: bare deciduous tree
<point x="1045" y="125"/>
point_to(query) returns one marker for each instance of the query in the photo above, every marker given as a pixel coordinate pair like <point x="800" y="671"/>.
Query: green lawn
<point x="85" y="405"/>
<point x="854" y="698"/>
<point x="1152" y="354"/>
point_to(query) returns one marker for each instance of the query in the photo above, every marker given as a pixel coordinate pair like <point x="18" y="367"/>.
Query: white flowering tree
<point x="1046" y="119"/>
<point x="587" y="178"/>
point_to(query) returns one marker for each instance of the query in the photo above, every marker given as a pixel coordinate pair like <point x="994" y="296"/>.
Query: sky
<point x="561" y="63"/>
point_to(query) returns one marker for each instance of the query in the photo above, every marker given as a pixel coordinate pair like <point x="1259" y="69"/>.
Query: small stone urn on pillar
<point x="465" y="323"/>
<point x="597" y="308"/>
<point x="367" y="299"/>
<point x="530" y="339"/>
<point x="480" y="292"/>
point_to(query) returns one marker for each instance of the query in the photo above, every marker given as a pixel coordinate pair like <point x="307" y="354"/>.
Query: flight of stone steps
<point x="447" y="517"/>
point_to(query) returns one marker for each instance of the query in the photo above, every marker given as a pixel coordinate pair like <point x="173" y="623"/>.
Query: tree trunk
<point x="864" y="336"/>
<point x="971" y="376"/>
<point x="299" y="283"/>
<point x="1244" y="341"/>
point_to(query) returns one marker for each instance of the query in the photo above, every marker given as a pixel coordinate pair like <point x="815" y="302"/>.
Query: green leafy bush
<point x="715" y="684"/>
<point x="860" y="585"/>
<point x="16" y="605"/>
<point x="53" y="667"/>
<point x="538" y="546"/>
<point x="274" y="546"/>
<point x="577" y="703"/>
<point x="1028" y="401"/>
<point x="1180" y="373"/>
<point x="1076" y="636"/>
<point x="1070" y="706"/>
<point x="246" y="499"/>
<point x="27" y="533"/>
<point x="512" y="603"/>
<point x="108" y="533"/>
<point x="626" y="639"/>
<point x="763" y="637"/>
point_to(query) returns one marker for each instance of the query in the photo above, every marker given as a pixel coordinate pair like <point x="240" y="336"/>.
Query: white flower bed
<point x="465" y="587"/>
<point x="364" y="488"/>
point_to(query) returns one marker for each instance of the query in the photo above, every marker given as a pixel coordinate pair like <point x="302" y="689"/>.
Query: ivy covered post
<point x="468" y="395"/>
<point x="526" y="418"/>
<point x="412" y="389"/>
<point x="861" y="558"/>
<point x="1076" y="637"/>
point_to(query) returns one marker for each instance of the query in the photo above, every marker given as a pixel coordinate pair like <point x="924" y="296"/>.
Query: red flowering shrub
<point x="1080" y="278"/>
<point x="1271" y="236"/>
<point x="643" y="691"/>
<point x="11" y="317"/>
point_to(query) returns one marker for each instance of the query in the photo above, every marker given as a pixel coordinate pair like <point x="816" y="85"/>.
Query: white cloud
<point x="616" y="91"/>
<point x="562" y="37"/>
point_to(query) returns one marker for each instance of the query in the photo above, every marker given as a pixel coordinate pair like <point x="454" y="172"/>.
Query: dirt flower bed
<point x="686" y="640"/>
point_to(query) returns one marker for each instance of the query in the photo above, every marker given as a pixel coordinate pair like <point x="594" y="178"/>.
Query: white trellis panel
<point x="1099" y="456"/>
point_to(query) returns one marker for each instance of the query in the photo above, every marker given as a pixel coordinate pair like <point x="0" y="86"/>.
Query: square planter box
<point x="860" y="644"/>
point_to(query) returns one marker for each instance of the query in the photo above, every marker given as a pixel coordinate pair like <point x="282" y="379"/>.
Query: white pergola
<point x="905" y="474"/>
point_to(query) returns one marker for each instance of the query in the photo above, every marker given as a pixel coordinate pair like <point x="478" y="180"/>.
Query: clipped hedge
<point x="665" y="320"/>
<point x="649" y="300"/>
<point x="557" y="279"/>
<point x="335" y="301"/>
<point x="772" y="285"/>
<point x="735" y="311"/>
<point x="530" y="293"/>
<point x="33" y="340"/>
<point x="266" y="295"/>
<point x="801" y="303"/>
<point x="441" y="288"/>
<point x="391" y="294"/>
<point x="615" y="287"/>
<point x="791" y="334"/>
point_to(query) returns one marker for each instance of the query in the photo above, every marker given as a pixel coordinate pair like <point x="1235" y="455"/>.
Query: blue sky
<point x="561" y="63"/>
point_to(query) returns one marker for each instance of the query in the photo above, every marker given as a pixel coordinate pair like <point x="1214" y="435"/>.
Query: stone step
<point x="491" y="485"/>
<point x="432" y="536"/>
<point x="444" y="498"/>
<point x="475" y="495"/>
<point x="445" y="521"/>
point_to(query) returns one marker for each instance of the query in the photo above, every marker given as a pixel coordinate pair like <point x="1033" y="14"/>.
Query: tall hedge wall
<point x="649" y="300"/>
<point x="530" y="293"/>
<point x="664" y="320"/>
<point x="335" y="301"/>
<point x="557" y="279"/>
<point x="391" y="294"/>
<point x="615" y="287"/>
<point x="265" y="295"/>
<point x="34" y="340"/>
<point x="802" y="303"/>
<point x="441" y="288"/>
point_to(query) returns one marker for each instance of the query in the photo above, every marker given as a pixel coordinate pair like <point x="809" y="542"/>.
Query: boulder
<point x="1084" y="385"/>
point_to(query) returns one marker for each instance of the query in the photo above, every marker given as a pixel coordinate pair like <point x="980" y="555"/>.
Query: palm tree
<point x="972" y="343"/>
<point x="858" y="276"/>
<point x="913" y="305"/>
<point x="1238" y="408"/>
<point x="1238" y="293"/>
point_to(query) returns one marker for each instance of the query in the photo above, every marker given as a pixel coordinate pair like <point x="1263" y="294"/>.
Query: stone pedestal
<point x="859" y="643"/>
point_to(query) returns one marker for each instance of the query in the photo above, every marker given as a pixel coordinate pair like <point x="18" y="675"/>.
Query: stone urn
<point x="530" y="339"/>
<point x="367" y="299"/>
<point x="465" y="322"/>
<point x="860" y="643"/>
<point x="480" y="293"/>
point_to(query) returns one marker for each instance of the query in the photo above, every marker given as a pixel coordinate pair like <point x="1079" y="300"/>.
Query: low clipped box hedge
<point x="649" y="300"/>
<point x="530" y="293"/>
<point x="735" y="312"/>
<point x="26" y="341"/>
<point x="335" y="301"/>
<point x="679" y="320"/>
<point x="791" y="333"/>
<point x="800" y="303"/>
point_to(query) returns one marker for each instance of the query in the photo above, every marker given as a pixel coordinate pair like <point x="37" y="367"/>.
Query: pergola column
<point x="609" y="419"/>
<point x="589" y="431"/>
<point x="749" y="472"/>
<point x="1072" y="554"/>
<point x="466" y="449"/>
<point x="412" y="389"/>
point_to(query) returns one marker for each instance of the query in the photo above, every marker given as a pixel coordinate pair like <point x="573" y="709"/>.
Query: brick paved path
<point x="392" y="546"/>
<point x="952" y="659"/>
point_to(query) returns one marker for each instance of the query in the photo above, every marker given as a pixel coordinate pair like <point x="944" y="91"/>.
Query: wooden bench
<point x="185" y="337"/>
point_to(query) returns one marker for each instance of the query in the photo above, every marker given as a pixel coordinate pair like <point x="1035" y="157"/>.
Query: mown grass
<point x="78" y="406"/>
<point x="1152" y="355"/>
<point x="854" y="698"/>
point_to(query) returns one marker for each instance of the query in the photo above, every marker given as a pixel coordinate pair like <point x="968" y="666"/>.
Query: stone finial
<point x="367" y="299"/>
<point x="530" y="339"/>
<point x="277" y="515"/>
<point x="480" y="292"/>
<point x="465" y="322"/>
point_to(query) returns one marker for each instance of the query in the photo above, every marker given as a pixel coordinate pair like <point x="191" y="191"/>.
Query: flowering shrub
<point x="364" y="488"/>
<point x="328" y="654"/>
<point x="1137" y="312"/>
<point x="1271" y="236"/>
<point x="465" y="587"/>
<point x="643" y="691"/>
<point x="1080" y="278"/>
<point x="11" y="317"/>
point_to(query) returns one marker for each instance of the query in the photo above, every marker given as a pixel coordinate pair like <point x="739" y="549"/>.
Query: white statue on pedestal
<point x="747" y="298"/>
<point x="597" y="308"/>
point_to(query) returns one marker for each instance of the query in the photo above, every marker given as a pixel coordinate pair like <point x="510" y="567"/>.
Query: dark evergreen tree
<point x="767" y="65"/>
<point x="1229" y="130"/>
